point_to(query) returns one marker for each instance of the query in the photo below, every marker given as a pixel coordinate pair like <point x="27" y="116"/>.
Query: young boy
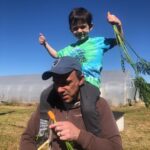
<point x="89" y="51"/>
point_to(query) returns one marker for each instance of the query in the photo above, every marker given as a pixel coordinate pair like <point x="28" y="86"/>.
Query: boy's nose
<point x="79" y="29"/>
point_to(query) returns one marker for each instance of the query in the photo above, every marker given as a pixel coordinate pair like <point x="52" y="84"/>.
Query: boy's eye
<point x="83" y="26"/>
<point x="75" y="28"/>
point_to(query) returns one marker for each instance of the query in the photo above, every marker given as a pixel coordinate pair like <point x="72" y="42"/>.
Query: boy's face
<point x="81" y="30"/>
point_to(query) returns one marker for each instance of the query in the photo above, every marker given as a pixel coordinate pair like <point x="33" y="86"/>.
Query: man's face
<point x="81" y="30"/>
<point x="67" y="86"/>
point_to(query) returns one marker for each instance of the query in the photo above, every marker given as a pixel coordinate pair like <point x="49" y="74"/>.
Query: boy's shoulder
<point x="106" y="40"/>
<point x="97" y="38"/>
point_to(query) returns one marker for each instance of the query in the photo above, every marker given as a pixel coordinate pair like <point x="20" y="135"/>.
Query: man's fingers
<point x="56" y="125"/>
<point x="59" y="134"/>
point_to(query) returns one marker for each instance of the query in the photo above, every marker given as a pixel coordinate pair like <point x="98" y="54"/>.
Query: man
<point x="64" y="100"/>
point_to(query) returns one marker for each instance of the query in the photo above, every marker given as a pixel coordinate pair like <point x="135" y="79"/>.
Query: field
<point x="136" y="135"/>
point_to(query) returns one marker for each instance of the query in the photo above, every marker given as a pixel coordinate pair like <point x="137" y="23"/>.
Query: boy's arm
<point x="114" y="20"/>
<point x="51" y="51"/>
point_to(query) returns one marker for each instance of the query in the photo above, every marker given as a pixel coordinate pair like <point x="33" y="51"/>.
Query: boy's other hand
<point x="112" y="19"/>
<point x="42" y="39"/>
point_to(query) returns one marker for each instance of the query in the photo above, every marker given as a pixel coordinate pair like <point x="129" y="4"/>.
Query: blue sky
<point x="21" y="21"/>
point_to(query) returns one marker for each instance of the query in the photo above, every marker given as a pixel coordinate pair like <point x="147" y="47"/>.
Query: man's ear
<point x="81" y="80"/>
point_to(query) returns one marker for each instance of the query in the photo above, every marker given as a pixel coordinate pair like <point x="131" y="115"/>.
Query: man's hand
<point x="66" y="130"/>
<point x="42" y="39"/>
<point x="112" y="19"/>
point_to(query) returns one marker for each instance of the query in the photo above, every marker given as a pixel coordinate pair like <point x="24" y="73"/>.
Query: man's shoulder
<point x="102" y="101"/>
<point x="102" y="104"/>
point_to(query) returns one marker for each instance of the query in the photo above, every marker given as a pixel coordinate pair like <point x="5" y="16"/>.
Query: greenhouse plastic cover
<point x="117" y="87"/>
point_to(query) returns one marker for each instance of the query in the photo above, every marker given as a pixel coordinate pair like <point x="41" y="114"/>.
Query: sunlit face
<point x="81" y="31"/>
<point x="67" y="86"/>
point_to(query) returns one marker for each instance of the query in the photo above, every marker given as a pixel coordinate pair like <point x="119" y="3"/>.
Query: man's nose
<point x="60" y="89"/>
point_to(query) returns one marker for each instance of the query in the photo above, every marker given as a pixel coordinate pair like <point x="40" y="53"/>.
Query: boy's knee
<point x="88" y="109"/>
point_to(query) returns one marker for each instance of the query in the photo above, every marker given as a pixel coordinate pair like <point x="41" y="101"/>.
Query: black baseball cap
<point x="62" y="66"/>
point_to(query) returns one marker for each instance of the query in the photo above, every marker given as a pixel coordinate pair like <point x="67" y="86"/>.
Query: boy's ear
<point x="91" y="26"/>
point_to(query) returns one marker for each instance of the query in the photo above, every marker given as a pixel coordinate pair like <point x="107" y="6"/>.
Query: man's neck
<point x="73" y="103"/>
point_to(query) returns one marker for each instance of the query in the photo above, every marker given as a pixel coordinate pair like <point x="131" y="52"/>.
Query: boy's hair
<point x="80" y="15"/>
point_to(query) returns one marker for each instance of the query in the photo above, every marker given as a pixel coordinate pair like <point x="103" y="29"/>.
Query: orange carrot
<point x="52" y="116"/>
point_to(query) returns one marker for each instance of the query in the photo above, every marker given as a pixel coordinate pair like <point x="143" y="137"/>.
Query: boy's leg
<point x="89" y="96"/>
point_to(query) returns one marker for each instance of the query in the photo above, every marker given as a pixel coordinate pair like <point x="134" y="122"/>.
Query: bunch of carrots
<point x="67" y="143"/>
<point x="141" y="65"/>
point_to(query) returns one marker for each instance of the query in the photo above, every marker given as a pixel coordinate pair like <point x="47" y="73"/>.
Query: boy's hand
<point x="113" y="20"/>
<point x="42" y="39"/>
<point x="66" y="130"/>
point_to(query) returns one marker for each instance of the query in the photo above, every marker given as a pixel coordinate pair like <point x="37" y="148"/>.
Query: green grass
<point x="13" y="120"/>
<point x="136" y="135"/>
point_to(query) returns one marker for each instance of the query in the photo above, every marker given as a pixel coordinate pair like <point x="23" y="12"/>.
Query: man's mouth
<point x="64" y="97"/>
